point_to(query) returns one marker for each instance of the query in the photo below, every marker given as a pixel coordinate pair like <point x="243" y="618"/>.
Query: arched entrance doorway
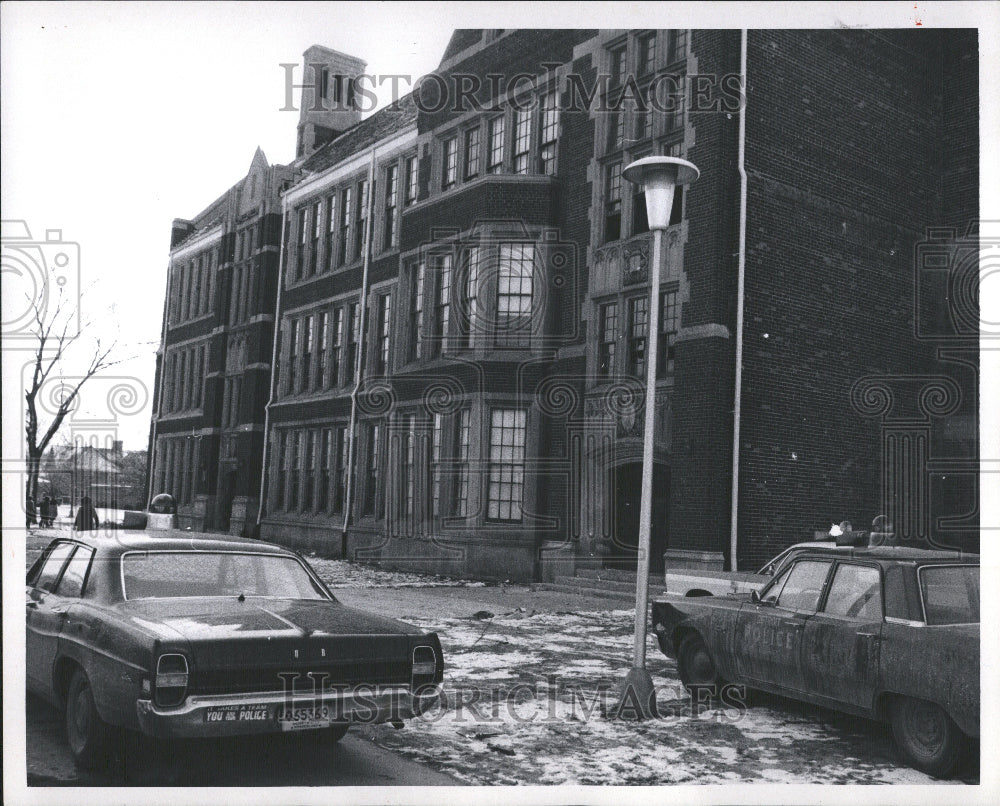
<point x="625" y="492"/>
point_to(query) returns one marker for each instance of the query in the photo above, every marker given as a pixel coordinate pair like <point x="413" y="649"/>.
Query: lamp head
<point x="659" y="176"/>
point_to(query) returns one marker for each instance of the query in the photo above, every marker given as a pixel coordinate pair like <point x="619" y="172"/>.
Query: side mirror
<point x="754" y="596"/>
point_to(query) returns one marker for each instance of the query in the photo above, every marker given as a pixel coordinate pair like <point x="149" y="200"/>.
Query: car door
<point x="44" y="616"/>
<point x="842" y="641"/>
<point x="769" y="631"/>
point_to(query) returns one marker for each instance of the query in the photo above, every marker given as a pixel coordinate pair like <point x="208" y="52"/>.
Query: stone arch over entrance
<point x="617" y="503"/>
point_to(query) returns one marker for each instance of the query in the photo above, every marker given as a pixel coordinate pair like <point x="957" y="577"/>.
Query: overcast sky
<point x="119" y="117"/>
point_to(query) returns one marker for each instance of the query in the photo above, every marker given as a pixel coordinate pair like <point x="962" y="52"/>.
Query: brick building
<point x="463" y="301"/>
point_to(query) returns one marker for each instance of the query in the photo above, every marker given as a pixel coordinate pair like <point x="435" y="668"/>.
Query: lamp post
<point x="659" y="177"/>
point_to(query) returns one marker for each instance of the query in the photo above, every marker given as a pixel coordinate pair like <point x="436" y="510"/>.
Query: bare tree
<point x="55" y="337"/>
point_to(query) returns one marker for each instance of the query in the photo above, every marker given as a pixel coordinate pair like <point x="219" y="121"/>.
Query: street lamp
<point x="659" y="176"/>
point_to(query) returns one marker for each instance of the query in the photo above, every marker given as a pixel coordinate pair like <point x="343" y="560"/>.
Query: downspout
<point x="274" y="365"/>
<point x="740" y="287"/>
<point x="362" y="317"/>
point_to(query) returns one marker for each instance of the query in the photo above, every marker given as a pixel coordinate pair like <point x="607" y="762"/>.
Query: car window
<point x="48" y="577"/>
<point x="168" y="574"/>
<point x="803" y="585"/>
<point x="950" y="593"/>
<point x="773" y="564"/>
<point x="75" y="575"/>
<point x="856" y="591"/>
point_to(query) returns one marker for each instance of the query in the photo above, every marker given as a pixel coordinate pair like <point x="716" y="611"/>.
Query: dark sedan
<point x="181" y="637"/>
<point x="888" y="633"/>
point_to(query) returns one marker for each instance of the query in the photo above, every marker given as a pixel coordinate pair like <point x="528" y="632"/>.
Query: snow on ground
<point x="342" y="574"/>
<point x="527" y="698"/>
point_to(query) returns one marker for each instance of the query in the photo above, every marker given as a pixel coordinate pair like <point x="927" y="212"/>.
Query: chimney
<point x="329" y="101"/>
<point x="179" y="230"/>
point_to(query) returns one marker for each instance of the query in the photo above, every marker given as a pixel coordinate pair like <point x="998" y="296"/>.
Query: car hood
<point x="208" y="618"/>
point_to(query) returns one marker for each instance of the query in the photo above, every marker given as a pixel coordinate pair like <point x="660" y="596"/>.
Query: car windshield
<point x="951" y="594"/>
<point x="170" y="574"/>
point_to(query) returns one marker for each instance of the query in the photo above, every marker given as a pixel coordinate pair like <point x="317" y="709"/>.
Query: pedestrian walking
<point x="86" y="516"/>
<point x="29" y="511"/>
<point x="45" y="513"/>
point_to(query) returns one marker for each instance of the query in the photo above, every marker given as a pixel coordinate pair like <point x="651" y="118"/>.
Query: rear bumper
<point x="266" y="712"/>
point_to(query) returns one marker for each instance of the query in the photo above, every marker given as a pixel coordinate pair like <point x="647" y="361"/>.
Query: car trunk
<point x="270" y="644"/>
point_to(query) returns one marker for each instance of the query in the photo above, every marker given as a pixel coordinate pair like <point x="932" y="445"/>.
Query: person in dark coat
<point x="86" y="516"/>
<point x="45" y="513"/>
<point x="29" y="511"/>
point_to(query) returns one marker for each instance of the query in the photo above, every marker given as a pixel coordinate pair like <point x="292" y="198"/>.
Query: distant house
<point x="111" y="477"/>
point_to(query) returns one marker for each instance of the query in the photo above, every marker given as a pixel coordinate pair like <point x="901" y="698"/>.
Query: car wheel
<point x="87" y="734"/>
<point x="696" y="667"/>
<point x="334" y="733"/>
<point x="926" y="735"/>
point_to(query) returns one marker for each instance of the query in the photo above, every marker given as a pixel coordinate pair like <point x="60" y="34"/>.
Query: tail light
<point x="171" y="680"/>
<point x="424" y="668"/>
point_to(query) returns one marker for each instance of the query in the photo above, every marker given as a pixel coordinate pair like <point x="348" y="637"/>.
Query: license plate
<point x="238" y="713"/>
<point x="305" y="717"/>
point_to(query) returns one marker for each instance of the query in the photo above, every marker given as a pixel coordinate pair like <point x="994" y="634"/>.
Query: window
<point x="436" y="464"/>
<point x="391" y="194"/>
<point x="325" y="449"/>
<point x="442" y="308"/>
<point x="300" y="253"/>
<point x="384" y="313"/>
<point x="412" y="179"/>
<point x="48" y="576"/>
<point x="75" y="575"/>
<point x="466" y="319"/>
<point x="515" y="290"/>
<point x="409" y="455"/>
<point x="460" y="505"/>
<point x="549" y="135"/>
<point x="360" y="224"/>
<point x="950" y="594"/>
<point x="196" y="292"/>
<point x="676" y="46"/>
<point x="643" y="124"/>
<point x="345" y="225"/>
<point x="640" y="217"/>
<point x="353" y="334"/>
<point x="522" y="140"/>
<point x="496" y="134"/>
<point x="800" y="587"/>
<point x="616" y="130"/>
<point x="638" y="326"/>
<point x="331" y="230"/>
<point x="317" y="231"/>
<point x="449" y="162"/>
<point x="619" y="66"/>
<point x="370" y="506"/>
<point x="296" y="470"/>
<point x="471" y="153"/>
<point x="647" y="54"/>
<point x="322" y="344"/>
<point x="856" y="592"/>
<point x="669" y="311"/>
<point x="338" y="349"/>
<point x="293" y="357"/>
<point x="506" y="466"/>
<point x="613" y="202"/>
<point x="310" y="466"/>
<point x="416" y="310"/>
<point x="308" y="337"/>
<point x="607" y="340"/>
<point x="281" y="447"/>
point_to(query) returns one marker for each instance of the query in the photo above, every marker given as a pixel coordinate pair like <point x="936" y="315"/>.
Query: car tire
<point x="88" y="736"/>
<point x="697" y="668"/>
<point x="928" y="738"/>
<point x="334" y="733"/>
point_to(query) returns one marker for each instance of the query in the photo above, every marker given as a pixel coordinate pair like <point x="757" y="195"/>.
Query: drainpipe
<point x="741" y="271"/>
<point x="274" y="366"/>
<point x="349" y="489"/>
